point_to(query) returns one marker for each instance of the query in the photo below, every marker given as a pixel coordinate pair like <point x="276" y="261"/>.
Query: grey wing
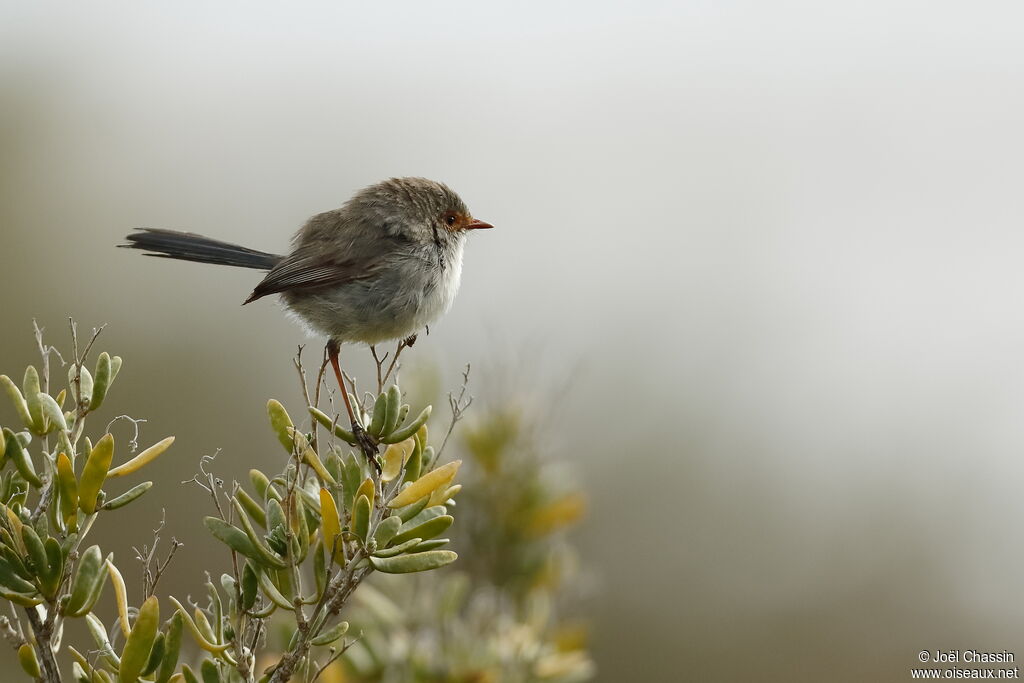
<point x="311" y="267"/>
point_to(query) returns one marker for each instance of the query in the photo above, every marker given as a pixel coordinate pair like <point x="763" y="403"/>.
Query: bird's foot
<point x="410" y="340"/>
<point x="367" y="444"/>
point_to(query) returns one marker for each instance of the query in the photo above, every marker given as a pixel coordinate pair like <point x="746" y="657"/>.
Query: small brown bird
<point x="383" y="266"/>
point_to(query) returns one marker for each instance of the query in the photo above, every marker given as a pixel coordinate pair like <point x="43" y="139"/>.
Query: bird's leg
<point x="366" y="442"/>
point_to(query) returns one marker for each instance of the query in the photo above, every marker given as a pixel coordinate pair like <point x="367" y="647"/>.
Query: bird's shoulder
<point x="356" y="233"/>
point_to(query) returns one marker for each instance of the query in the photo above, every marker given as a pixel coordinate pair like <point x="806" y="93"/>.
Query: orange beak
<point x="477" y="225"/>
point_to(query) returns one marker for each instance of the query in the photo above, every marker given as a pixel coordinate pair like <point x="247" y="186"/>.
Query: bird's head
<point x="418" y="208"/>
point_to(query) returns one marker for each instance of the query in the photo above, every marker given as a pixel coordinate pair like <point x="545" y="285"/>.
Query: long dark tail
<point x="188" y="246"/>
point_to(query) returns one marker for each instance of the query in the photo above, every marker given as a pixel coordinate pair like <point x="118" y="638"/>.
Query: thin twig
<point x="335" y="656"/>
<point x="133" y="443"/>
<point x="402" y="345"/>
<point x="458" y="404"/>
<point x="147" y="556"/>
<point x="9" y="633"/>
<point x="380" y="366"/>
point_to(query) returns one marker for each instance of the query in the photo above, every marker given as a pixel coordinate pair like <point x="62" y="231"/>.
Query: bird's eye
<point x="450" y="219"/>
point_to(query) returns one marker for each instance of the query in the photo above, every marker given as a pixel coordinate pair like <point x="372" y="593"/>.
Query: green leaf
<point x="156" y="655"/>
<point x="361" y="517"/>
<point x="387" y="530"/>
<point x="53" y="416"/>
<point x="332" y="634"/>
<point x="426" y="530"/>
<point x="84" y="380"/>
<point x="410" y="511"/>
<point x="250" y="583"/>
<point x="28" y="661"/>
<point x="14" y="393"/>
<point x="9" y="579"/>
<point x="209" y="671"/>
<point x="418" y="562"/>
<point x="328" y="423"/>
<point x="95" y="473"/>
<point x="264" y="554"/>
<point x="88" y="580"/>
<point x="140" y="641"/>
<point x="188" y="675"/>
<point x="36" y="551"/>
<point x="30" y="386"/>
<point x="54" y="567"/>
<point x="398" y="549"/>
<point x="280" y="422"/>
<point x="394" y="408"/>
<point x="430" y="545"/>
<point x="128" y="496"/>
<point x="14" y="451"/>
<point x="234" y="538"/>
<point x="104" y="376"/>
<point x="172" y="648"/>
<point x="380" y="409"/>
<point x="260" y="483"/>
<point x="252" y="507"/>
<point x="410" y="429"/>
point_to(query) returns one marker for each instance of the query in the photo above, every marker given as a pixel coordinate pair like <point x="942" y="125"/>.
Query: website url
<point x="965" y="673"/>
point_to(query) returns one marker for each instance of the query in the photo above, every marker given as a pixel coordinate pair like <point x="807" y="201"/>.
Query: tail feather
<point x="188" y="246"/>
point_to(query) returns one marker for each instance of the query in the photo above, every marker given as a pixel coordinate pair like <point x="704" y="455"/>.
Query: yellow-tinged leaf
<point x="121" y="596"/>
<point x="426" y="484"/>
<point x="395" y="457"/>
<point x="95" y="473"/>
<point x="204" y="625"/>
<point x="197" y="635"/>
<point x="441" y="495"/>
<point x="366" y="489"/>
<point x="144" y="458"/>
<point x="27" y="658"/>
<point x="68" y="489"/>
<point x="331" y="526"/>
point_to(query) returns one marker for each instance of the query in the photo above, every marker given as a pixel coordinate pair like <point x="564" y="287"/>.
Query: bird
<point x="383" y="266"/>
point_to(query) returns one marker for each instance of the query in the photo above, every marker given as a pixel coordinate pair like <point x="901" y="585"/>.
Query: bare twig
<point x="402" y="345"/>
<point x="335" y="656"/>
<point x="320" y="380"/>
<point x="9" y="633"/>
<point x="458" y="404"/>
<point x="153" y="569"/>
<point x="380" y="367"/>
<point x="133" y="443"/>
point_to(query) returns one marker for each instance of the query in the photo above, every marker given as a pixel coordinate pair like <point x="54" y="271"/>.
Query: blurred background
<point x="763" y="259"/>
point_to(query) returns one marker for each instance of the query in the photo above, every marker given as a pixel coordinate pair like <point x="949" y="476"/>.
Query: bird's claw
<point x="367" y="444"/>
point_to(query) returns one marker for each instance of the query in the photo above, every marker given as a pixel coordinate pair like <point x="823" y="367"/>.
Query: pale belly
<point x="408" y="294"/>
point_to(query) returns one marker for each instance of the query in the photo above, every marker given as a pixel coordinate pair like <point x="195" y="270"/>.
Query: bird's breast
<point x="443" y="274"/>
